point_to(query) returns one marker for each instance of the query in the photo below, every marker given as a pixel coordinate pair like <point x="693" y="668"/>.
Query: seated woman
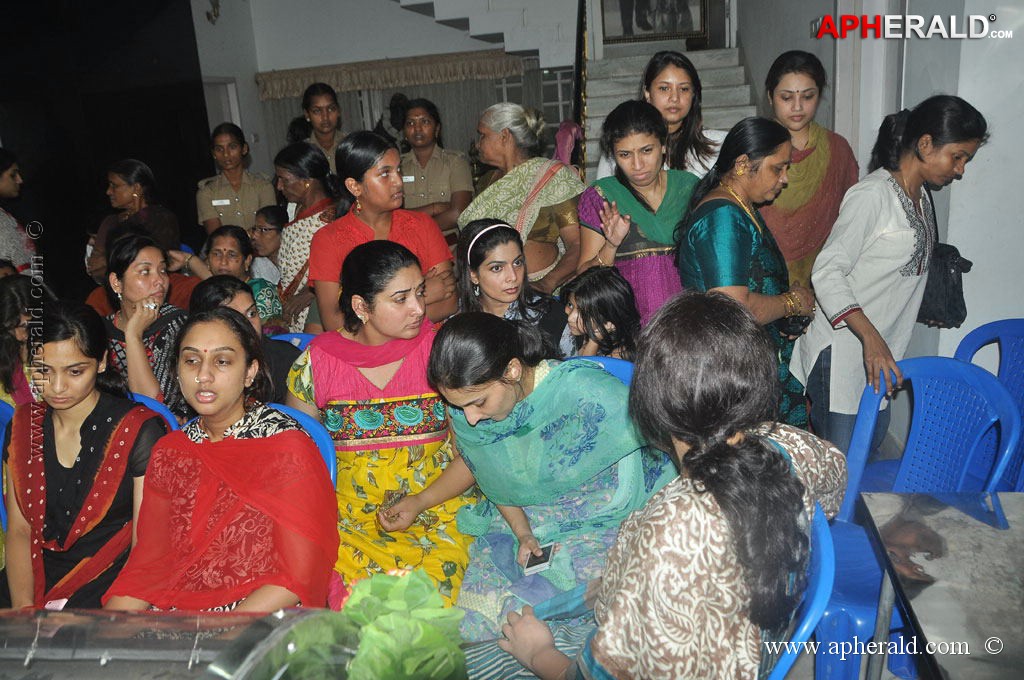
<point x="367" y="383"/>
<point x="142" y="332"/>
<point x="238" y="513"/>
<point x="265" y="236"/>
<point x="551" y="447"/>
<point x="535" y="195"/>
<point x="229" y="291"/>
<point x="229" y="251"/>
<point x="19" y="295"/>
<point x="603" y="317"/>
<point x="491" y="277"/>
<point x="75" y="490"/>
<point x="631" y="217"/>
<point x="721" y="551"/>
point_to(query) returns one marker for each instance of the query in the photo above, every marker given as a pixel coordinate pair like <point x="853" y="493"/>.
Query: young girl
<point x="603" y="317"/>
<point x="239" y="512"/>
<point x="75" y="487"/>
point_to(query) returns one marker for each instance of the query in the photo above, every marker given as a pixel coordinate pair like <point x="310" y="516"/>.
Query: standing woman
<point x="801" y="216"/>
<point x="371" y="208"/>
<point x="304" y="178"/>
<point x="15" y="245"/>
<point x="234" y="195"/>
<point x="75" y="465"/>
<point x="131" y="189"/>
<point x="871" y="274"/>
<point x="630" y="217"/>
<point x="724" y="244"/>
<point x="323" y="119"/>
<point x="238" y="513"/>
<point x="535" y="195"/>
<point x="367" y="383"/>
<point x="437" y="182"/>
<point x="670" y="82"/>
<point x="143" y="328"/>
<point x="492" y="278"/>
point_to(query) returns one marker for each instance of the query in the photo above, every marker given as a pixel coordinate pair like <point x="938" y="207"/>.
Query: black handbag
<point x="943" y="305"/>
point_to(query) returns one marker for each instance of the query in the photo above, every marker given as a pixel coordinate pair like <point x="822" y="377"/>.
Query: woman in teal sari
<point x="631" y="217"/>
<point x="550" y="445"/>
<point x="725" y="245"/>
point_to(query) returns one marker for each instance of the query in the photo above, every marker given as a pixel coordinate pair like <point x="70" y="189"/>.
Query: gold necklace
<point x="743" y="204"/>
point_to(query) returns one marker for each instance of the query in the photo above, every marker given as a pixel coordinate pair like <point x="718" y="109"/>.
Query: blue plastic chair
<point x="321" y="437"/>
<point x="154" y="405"/>
<point x="620" y="368"/>
<point x="186" y="248"/>
<point x="300" y="340"/>
<point x="821" y="573"/>
<point x="1009" y="335"/>
<point x="6" y="413"/>
<point x="955" y="404"/>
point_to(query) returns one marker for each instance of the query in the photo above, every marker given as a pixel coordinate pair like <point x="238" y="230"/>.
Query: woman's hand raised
<point x="614" y="224"/>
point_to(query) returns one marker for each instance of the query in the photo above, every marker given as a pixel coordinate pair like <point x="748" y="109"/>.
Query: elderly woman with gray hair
<point x="535" y="195"/>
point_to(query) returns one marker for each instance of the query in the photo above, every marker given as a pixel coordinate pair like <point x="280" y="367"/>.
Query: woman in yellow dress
<point x="367" y="383"/>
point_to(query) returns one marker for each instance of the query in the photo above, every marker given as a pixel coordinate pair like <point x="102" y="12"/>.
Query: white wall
<point x="304" y="33"/>
<point x="767" y="28"/>
<point x="227" y="50"/>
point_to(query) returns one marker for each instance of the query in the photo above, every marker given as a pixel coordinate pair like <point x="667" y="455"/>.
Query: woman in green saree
<point x="550" y="445"/>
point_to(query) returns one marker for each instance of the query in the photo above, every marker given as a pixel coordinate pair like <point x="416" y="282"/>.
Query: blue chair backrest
<point x="955" y="405"/>
<point x="186" y="248"/>
<point x="821" y="575"/>
<point x="6" y="413"/>
<point x="321" y="437"/>
<point x="157" y="406"/>
<point x="1009" y="335"/>
<point x="300" y="340"/>
<point x="620" y="368"/>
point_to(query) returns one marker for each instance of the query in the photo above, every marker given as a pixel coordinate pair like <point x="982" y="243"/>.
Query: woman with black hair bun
<point x="438" y="182"/>
<point x="491" y="277"/>
<point x="603" y="317"/>
<point x="320" y="123"/>
<point x="871" y="273"/>
<point x="370" y="170"/>
<point x="721" y="551"/>
<point x="132" y="190"/>
<point x="238" y="512"/>
<point x="550" y="445"/>
<point x="74" y="487"/>
<point x="234" y="194"/>
<point x="304" y="178"/>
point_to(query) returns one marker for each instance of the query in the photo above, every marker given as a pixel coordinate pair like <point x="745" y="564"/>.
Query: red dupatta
<point x="28" y="471"/>
<point x="210" y="510"/>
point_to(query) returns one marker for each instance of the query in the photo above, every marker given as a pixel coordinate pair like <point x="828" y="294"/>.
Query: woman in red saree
<point x="239" y="512"/>
<point x="75" y="465"/>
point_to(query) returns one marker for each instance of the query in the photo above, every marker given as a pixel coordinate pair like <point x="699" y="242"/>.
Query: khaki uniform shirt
<point x="446" y="173"/>
<point x="330" y="153"/>
<point x="217" y="199"/>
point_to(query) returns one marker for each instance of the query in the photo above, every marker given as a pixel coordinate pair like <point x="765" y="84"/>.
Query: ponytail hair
<point x="67" y="320"/>
<point x="946" y="118"/>
<point x="706" y="378"/>
<point x="475" y="348"/>
<point x="307" y="161"/>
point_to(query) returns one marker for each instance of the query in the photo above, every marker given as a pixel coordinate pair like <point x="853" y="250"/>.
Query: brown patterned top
<point x="673" y="602"/>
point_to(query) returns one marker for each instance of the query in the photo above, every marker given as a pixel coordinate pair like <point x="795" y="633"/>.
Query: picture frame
<point x="626" y="21"/>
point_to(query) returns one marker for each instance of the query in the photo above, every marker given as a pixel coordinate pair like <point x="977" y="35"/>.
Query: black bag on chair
<point x="943" y="305"/>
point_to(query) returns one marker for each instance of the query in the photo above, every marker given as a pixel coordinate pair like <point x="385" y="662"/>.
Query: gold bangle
<point x="185" y="265"/>
<point x="599" y="260"/>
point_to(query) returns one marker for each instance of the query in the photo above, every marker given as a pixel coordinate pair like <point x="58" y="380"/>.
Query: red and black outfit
<point x="222" y="519"/>
<point x="80" y="517"/>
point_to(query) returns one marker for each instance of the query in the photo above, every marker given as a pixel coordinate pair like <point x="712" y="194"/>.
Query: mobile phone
<point x="540" y="562"/>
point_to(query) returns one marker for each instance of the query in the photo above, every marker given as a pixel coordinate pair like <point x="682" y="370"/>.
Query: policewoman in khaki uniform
<point x="234" y="195"/>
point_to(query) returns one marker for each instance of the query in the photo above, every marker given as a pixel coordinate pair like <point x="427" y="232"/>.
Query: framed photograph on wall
<point x="637" y="20"/>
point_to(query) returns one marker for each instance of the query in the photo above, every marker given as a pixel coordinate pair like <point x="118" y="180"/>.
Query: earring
<point x="118" y="294"/>
<point x="359" y="207"/>
<point x="134" y="195"/>
<point x="739" y="172"/>
<point x="476" y="289"/>
<point x="362" y="319"/>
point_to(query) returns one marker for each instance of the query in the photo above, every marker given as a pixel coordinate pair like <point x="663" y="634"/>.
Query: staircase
<point x="726" y="96"/>
<point x="546" y="28"/>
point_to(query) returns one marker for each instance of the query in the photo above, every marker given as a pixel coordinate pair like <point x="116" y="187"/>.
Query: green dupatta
<point x="660" y="226"/>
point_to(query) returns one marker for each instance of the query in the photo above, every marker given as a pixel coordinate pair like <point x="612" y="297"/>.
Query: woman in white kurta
<point x="869" y="278"/>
